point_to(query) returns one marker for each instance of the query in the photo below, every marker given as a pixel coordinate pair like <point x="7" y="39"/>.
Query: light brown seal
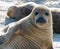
<point x="32" y="32"/>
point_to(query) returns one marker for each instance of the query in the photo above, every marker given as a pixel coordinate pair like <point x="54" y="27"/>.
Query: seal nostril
<point x="41" y="20"/>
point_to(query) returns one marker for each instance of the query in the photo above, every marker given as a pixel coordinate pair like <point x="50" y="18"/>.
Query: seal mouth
<point x="41" y="20"/>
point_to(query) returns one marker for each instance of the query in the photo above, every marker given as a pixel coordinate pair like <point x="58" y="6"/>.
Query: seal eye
<point x="46" y="13"/>
<point x="36" y="13"/>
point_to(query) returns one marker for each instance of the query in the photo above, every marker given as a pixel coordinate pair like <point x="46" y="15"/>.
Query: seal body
<point x="20" y="11"/>
<point x="56" y="19"/>
<point x="31" y="32"/>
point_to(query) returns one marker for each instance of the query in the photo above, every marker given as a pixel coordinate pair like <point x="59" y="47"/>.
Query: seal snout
<point x="41" y="20"/>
